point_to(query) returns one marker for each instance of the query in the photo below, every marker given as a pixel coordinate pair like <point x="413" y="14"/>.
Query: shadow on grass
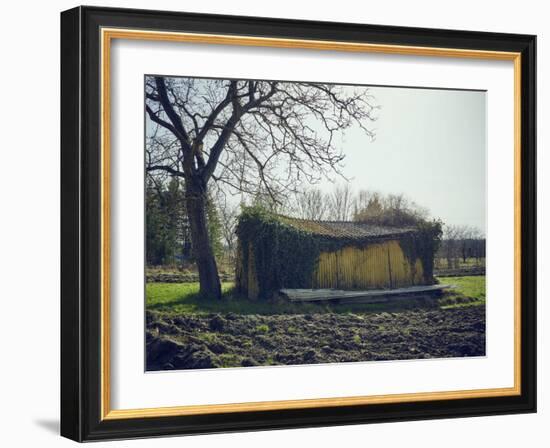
<point x="184" y="298"/>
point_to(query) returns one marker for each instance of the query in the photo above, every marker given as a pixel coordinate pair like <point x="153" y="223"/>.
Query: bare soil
<point x="196" y="341"/>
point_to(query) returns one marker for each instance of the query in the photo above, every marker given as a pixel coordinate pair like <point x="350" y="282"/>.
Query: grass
<point x="208" y="337"/>
<point x="187" y="269"/>
<point x="469" y="291"/>
<point x="229" y="360"/>
<point x="183" y="298"/>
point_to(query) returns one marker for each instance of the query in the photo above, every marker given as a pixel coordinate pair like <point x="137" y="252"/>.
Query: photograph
<point x="295" y="223"/>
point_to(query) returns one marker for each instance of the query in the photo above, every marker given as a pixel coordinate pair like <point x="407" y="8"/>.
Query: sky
<point x="430" y="145"/>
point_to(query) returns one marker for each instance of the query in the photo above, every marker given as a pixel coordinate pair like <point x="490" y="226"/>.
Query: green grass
<point x="208" y="337"/>
<point x="229" y="360"/>
<point x="183" y="298"/>
<point x="470" y="290"/>
<point x="187" y="269"/>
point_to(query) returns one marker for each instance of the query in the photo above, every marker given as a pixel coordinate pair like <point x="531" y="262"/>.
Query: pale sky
<point x="431" y="145"/>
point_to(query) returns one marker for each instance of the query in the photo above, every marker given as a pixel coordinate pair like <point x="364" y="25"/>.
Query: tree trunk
<point x="196" y="198"/>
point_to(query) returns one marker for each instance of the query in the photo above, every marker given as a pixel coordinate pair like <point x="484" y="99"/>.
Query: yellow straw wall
<point x="380" y="265"/>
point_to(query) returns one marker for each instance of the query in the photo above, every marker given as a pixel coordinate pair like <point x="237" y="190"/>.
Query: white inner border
<point x="131" y="387"/>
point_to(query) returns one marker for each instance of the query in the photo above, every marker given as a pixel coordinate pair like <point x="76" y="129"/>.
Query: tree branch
<point x="172" y="114"/>
<point x="167" y="168"/>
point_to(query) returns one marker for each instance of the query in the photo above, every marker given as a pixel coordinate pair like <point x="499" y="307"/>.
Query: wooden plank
<point x="312" y="295"/>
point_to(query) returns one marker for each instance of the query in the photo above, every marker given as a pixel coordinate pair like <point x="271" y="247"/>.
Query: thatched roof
<point x="346" y="230"/>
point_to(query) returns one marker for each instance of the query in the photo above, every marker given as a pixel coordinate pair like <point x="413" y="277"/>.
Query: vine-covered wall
<point x="276" y="254"/>
<point x="423" y="244"/>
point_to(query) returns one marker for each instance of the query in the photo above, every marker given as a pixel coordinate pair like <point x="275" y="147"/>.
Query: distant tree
<point x="391" y="210"/>
<point x="168" y="239"/>
<point x="476" y="244"/>
<point x="362" y="199"/>
<point x="165" y="222"/>
<point x="368" y="206"/>
<point x="310" y="203"/>
<point x="215" y="230"/>
<point x="450" y="246"/>
<point x="228" y="213"/>
<point x="461" y="243"/>
<point x="155" y="224"/>
<point x="340" y="203"/>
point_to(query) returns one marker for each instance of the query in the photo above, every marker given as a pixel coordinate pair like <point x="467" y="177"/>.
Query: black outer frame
<point x="80" y="223"/>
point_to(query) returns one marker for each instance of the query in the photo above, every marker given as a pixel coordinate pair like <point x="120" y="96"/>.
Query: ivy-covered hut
<point x="276" y="252"/>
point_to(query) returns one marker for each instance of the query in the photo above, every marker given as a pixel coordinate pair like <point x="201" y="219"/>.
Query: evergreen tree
<point x="168" y="236"/>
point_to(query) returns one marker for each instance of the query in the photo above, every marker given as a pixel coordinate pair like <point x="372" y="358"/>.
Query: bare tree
<point x="362" y="199"/>
<point x="227" y="212"/>
<point x="367" y="204"/>
<point x="462" y="242"/>
<point x="245" y="133"/>
<point x="340" y="203"/>
<point x="451" y="236"/>
<point x="310" y="203"/>
<point x="468" y="242"/>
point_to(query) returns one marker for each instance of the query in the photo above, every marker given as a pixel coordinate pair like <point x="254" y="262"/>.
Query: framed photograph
<point x="272" y="224"/>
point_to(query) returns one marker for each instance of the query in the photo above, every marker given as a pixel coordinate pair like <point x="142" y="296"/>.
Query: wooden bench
<point x="369" y="296"/>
